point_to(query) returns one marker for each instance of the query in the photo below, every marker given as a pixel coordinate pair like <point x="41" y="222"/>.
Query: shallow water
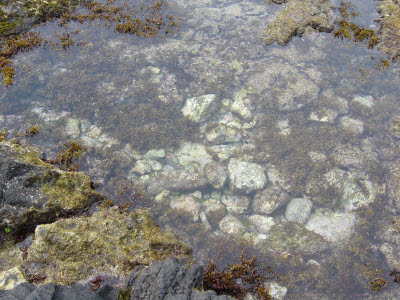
<point x="126" y="94"/>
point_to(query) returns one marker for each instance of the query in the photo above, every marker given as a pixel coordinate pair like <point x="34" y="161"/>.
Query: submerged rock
<point x="72" y="128"/>
<point x="232" y="225"/>
<point x="246" y="177"/>
<point x="364" y="100"/>
<point x="110" y="241"/>
<point x="241" y="106"/>
<point x="324" y="115"/>
<point x="352" y="126"/>
<point x="357" y="191"/>
<point x="393" y="182"/>
<point x="298" y="17"/>
<point x="176" y="181"/>
<point x="298" y="210"/>
<point x="34" y="191"/>
<point x="270" y="199"/>
<point x="215" y="175"/>
<point x="188" y="203"/>
<point x="333" y="226"/>
<point x="193" y="154"/>
<point x="199" y="109"/>
<point x="235" y="203"/>
<point x="262" y="223"/>
<point x="154" y="154"/>
<point x="223" y="134"/>
<point x="391" y="247"/>
<point x="294" y="237"/>
<point x="277" y="291"/>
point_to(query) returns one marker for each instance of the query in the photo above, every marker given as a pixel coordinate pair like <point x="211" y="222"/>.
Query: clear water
<point x="132" y="90"/>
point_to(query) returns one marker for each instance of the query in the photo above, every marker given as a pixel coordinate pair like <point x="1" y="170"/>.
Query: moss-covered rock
<point x="298" y="17"/>
<point x="389" y="32"/>
<point x="110" y="241"/>
<point x="35" y="192"/>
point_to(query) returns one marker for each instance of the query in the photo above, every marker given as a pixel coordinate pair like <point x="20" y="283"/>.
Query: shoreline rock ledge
<point x="110" y="254"/>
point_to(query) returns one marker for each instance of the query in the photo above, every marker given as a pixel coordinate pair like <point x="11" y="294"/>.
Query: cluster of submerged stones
<point x="220" y="181"/>
<point x="220" y="177"/>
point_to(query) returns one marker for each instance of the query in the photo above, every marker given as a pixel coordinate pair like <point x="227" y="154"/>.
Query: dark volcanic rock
<point x="170" y="279"/>
<point x="167" y="280"/>
<point x="51" y="291"/>
<point x="33" y="192"/>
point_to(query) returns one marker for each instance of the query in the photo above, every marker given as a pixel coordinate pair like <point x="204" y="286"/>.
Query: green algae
<point x="10" y="255"/>
<point x="109" y="241"/>
<point x="67" y="190"/>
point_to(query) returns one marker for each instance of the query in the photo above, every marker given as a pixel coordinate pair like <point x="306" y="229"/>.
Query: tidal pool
<point x="290" y="150"/>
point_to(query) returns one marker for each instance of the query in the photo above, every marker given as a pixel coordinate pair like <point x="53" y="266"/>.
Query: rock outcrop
<point x="35" y="192"/>
<point x="298" y="17"/>
<point x="168" y="279"/>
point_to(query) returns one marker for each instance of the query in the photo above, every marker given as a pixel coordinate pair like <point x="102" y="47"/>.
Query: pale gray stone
<point x="154" y="154"/>
<point x="333" y="226"/>
<point x="187" y="203"/>
<point x="298" y="210"/>
<point x="72" y="128"/>
<point x="364" y="100"/>
<point x="324" y="115"/>
<point x="223" y="134"/>
<point x="235" y="203"/>
<point x="262" y="223"/>
<point x="198" y="109"/>
<point x="193" y="154"/>
<point x="215" y="175"/>
<point x="232" y="225"/>
<point x="352" y="126"/>
<point x="276" y="290"/>
<point x="246" y="177"/>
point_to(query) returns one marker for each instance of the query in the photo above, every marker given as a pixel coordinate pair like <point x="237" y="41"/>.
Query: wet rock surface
<point x="270" y="199"/>
<point x="52" y="291"/>
<point x="19" y="18"/>
<point x="107" y="240"/>
<point x="296" y="18"/>
<point x="389" y="11"/>
<point x="295" y="238"/>
<point x="34" y="191"/>
<point x="176" y="180"/>
<point x="168" y="279"/>
<point x="246" y="177"/>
